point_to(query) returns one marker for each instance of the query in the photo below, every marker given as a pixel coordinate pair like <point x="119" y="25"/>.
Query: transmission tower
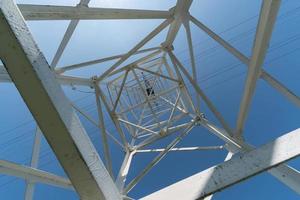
<point x="147" y="100"/>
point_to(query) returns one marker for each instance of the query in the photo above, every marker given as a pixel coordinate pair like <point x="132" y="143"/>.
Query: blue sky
<point x="220" y="75"/>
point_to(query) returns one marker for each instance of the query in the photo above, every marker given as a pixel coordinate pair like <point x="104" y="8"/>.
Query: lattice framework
<point x="147" y="100"/>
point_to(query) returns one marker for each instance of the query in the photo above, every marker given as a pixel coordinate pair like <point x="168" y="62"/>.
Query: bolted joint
<point x="166" y="48"/>
<point x="114" y="115"/>
<point x="196" y="120"/>
<point x="95" y="82"/>
<point x="202" y="116"/>
<point x="181" y="84"/>
<point x="163" y="131"/>
<point x="94" y="79"/>
<point x="131" y="149"/>
<point x="131" y="67"/>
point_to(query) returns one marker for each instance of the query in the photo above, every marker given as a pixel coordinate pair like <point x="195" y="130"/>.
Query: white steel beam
<point x="97" y="125"/>
<point x="200" y="92"/>
<point x="151" y="35"/>
<point x="263" y="35"/>
<point x="121" y="179"/>
<point x="137" y="126"/>
<point x="62" y="79"/>
<point x="186" y="25"/>
<point x="228" y="157"/>
<point x="234" y="170"/>
<point x="67" y="36"/>
<point x="106" y="151"/>
<point x="287" y="175"/>
<point x="186" y="97"/>
<point x="120" y="91"/>
<point x="182" y="149"/>
<point x="176" y="106"/>
<point x="113" y="117"/>
<point x="156" y="73"/>
<point x="284" y="173"/>
<point x="154" y="138"/>
<point x="281" y="88"/>
<point x="101" y="60"/>
<point x="50" y="12"/>
<point x="171" y="73"/>
<point x="71" y="80"/>
<point x="50" y="107"/>
<point x="33" y="175"/>
<point x="170" y="119"/>
<point x="264" y="75"/>
<point x="34" y="162"/>
<point x="180" y="10"/>
<point x="140" y="60"/>
<point x="161" y="155"/>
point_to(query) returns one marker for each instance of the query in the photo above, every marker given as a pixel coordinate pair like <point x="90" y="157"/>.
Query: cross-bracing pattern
<point x="147" y="100"/>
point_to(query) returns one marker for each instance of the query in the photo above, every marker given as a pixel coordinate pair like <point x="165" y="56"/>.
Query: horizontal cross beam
<point x="235" y="170"/>
<point x="62" y="79"/>
<point x="33" y="175"/>
<point x="182" y="149"/>
<point x="49" y="12"/>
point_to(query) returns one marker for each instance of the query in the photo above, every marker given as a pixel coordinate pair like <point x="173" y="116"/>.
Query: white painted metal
<point x="154" y="138"/>
<point x="137" y="126"/>
<point x="182" y="6"/>
<point x="287" y="175"/>
<point x="186" y="25"/>
<point x="151" y="35"/>
<point x="228" y="157"/>
<point x="281" y="88"/>
<point x="67" y="36"/>
<point x="136" y="62"/>
<point x="113" y="117"/>
<point x="187" y="100"/>
<point x="156" y="73"/>
<point x="160" y="156"/>
<point x="49" y="106"/>
<point x="181" y="149"/>
<point x="64" y="42"/>
<point x="62" y="79"/>
<point x="234" y="170"/>
<point x="50" y="12"/>
<point x="120" y="182"/>
<point x="106" y="150"/>
<point x="120" y="91"/>
<point x="101" y="60"/>
<point x="264" y="75"/>
<point x="284" y="173"/>
<point x="34" y="163"/>
<point x="262" y="38"/>
<point x="92" y="180"/>
<point x="33" y="175"/>
<point x="97" y="125"/>
<point x="200" y="92"/>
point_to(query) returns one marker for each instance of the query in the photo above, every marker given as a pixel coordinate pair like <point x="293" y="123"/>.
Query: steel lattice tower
<point x="147" y="100"/>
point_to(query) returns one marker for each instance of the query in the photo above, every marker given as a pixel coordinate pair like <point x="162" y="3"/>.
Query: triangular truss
<point x="147" y="100"/>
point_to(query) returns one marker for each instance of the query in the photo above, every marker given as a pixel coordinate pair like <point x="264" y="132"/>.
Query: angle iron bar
<point x="151" y="35"/>
<point x="204" y="97"/>
<point x="201" y="148"/>
<point x="103" y="134"/>
<point x="159" y="157"/>
<point x="244" y="59"/>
